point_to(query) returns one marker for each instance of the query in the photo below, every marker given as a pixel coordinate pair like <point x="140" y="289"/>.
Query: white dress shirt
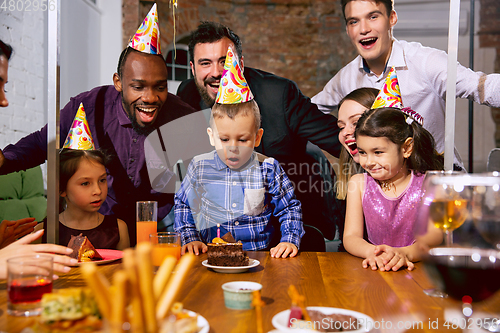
<point x="422" y="73"/>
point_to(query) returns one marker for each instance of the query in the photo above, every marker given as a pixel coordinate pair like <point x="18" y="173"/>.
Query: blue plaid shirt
<point x="241" y="201"/>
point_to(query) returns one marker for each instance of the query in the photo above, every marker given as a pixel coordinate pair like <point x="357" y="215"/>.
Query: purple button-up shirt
<point x="128" y="179"/>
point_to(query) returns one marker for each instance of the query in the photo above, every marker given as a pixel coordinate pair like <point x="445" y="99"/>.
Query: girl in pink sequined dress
<point x="396" y="151"/>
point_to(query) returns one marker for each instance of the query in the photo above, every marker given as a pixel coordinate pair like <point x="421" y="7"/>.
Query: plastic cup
<point x="165" y="244"/>
<point x="146" y="219"/>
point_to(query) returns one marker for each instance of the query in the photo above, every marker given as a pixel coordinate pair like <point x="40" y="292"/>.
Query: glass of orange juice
<point x="146" y="217"/>
<point x="165" y="244"/>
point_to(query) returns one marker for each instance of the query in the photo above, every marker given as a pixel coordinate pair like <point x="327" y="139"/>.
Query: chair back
<point x="313" y="240"/>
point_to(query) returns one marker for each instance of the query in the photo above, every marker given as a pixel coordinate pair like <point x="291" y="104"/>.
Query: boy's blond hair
<point x="232" y="110"/>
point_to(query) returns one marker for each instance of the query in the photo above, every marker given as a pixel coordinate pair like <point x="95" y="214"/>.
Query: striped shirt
<point x="241" y="201"/>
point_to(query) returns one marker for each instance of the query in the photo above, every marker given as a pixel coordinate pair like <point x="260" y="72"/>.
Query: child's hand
<point x="283" y="249"/>
<point x="195" y="247"/>
<point x="388" y="258"/>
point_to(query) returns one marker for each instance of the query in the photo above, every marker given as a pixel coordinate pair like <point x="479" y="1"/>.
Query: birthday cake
<point x="83" y="250"/>
<point x="223" y="253"/>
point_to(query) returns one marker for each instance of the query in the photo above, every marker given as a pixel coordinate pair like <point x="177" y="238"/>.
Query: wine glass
<point x="464" y="271"/>
<point x="445" y="202"/>
<point x="429" y="204"/>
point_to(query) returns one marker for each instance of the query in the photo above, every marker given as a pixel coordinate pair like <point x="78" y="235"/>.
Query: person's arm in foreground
<point x="23" y="248"/>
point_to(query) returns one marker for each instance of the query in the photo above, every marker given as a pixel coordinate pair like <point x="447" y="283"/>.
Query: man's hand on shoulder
<point x="283" y="250"/>
<point x="195" y="247"/>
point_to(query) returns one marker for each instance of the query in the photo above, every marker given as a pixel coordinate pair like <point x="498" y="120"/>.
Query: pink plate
<point x="107" y="255"/>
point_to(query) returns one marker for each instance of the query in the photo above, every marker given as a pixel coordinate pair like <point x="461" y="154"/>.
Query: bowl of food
<point x="238" y="294"/>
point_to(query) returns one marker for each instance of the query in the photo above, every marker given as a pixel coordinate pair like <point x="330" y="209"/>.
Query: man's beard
<point x="207" y="99"/>
<point x="141" y="130"/>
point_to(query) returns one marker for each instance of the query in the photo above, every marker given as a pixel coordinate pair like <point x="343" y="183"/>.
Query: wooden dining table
<point x="394" y="300"/>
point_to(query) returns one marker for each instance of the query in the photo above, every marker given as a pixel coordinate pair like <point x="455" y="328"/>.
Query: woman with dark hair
<point x="351" y="107"/>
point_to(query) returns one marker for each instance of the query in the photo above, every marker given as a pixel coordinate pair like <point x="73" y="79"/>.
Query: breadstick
<point x="145" y="269"/>
<point x="162" y="275"/>
<point x="174" y="284"/>
<point x="258" y="304"/>
<point x="137" y="318"/>
<point x="298" y="300"/>
<point x="99" y="286"/>
<point x="119" y="299"/>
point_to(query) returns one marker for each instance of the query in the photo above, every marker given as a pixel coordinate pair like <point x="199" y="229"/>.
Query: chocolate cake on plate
<point x="83" y="250"/>
<point x="223" y="253"/>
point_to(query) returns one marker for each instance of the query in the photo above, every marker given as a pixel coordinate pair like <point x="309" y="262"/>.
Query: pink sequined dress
<point x="390" y="220"/>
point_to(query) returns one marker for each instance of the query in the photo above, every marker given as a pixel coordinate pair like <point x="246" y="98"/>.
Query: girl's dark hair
<point x="391" y="124"/>
<point x="5" y="49"/>
<point x="69" y="160"/>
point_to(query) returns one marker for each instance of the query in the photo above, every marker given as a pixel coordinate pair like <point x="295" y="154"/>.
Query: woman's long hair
<point x="365" y="97"/>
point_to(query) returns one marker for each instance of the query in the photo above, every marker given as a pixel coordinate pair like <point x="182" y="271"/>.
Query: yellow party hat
<point x="79" y="136"/>
<point x="147" y="37"/>
<point x="233" y="87"/>
<point x="389" y="95"/>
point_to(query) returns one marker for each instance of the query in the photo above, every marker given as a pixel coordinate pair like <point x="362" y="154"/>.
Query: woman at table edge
<point x="22" y="247"/>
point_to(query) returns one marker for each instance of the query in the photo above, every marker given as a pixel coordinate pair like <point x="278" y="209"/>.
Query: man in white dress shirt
<point x="421" y="71"/>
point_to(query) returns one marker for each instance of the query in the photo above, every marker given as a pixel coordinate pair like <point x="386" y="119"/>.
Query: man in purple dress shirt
<point x="120" y="118"/>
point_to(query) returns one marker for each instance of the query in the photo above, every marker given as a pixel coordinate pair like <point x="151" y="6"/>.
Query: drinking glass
<point x="28" y="278"/>
<point x="428" y="205"/>
<point x="466" y="271"/>
<point x="445" y="202"/>
<point x="146" y="219"/>
<point x="165" y="244"/>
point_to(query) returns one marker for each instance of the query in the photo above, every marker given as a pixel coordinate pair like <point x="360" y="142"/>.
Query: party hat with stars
<point x="79" y="136"/>
<point x="233" y="87"/>
<point x="147" y="37"/>
<point x="389" y="95"/>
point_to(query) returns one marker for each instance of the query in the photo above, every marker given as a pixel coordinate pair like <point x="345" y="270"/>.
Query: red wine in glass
<point x="466" y="271"/>
<point x="28" y="291"/>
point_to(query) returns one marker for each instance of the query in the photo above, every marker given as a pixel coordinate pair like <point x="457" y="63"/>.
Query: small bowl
<point x="238" y="294"/>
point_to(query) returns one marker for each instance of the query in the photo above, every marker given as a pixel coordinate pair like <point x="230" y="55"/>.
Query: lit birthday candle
<point x="218" y="230"/>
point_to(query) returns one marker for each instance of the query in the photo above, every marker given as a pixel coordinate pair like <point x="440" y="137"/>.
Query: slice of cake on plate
<point x="226" y="253"/>
<point x="83" y="250"/>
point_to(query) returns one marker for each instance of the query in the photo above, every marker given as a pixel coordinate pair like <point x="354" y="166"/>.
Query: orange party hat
<point x="147" y="37"/>
<point x="389" y="95"/>
<point x="233" y="88"/>
<point x="79" y="136"/>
